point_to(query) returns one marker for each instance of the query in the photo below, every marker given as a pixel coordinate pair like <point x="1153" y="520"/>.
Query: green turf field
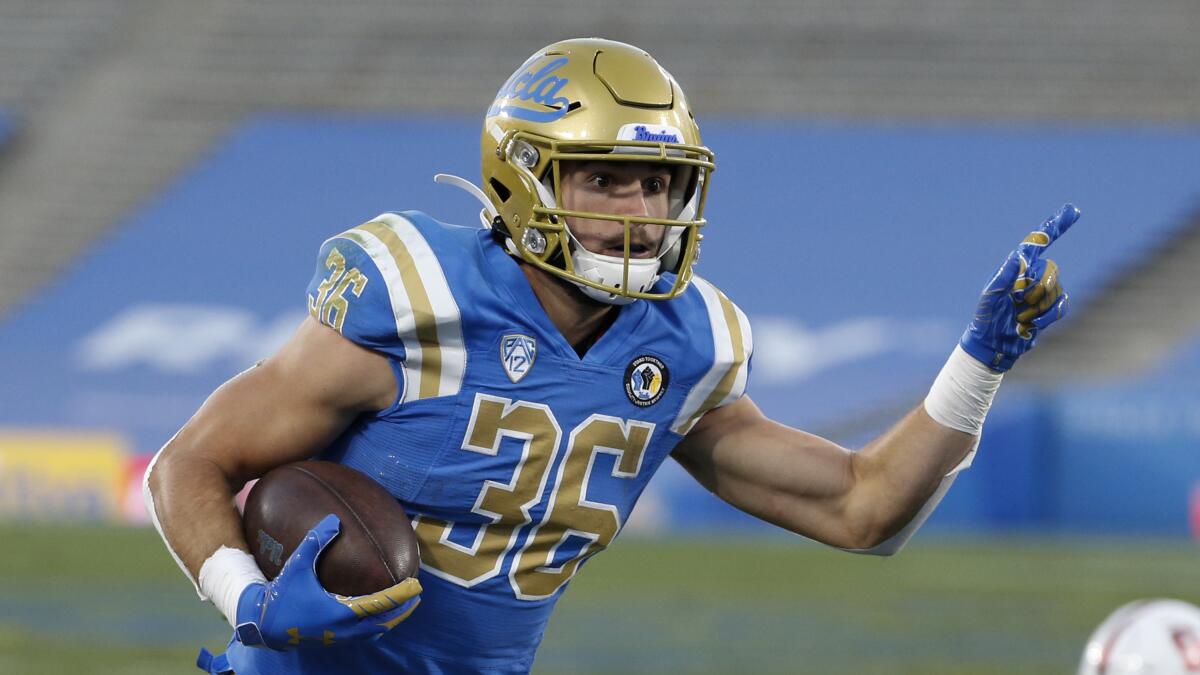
<point x="110" y="600"/>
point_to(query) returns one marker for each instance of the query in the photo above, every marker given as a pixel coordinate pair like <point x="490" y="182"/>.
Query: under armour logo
<point x="296" y="638"/>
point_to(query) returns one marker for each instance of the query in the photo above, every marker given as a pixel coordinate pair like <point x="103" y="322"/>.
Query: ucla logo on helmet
<point x="517" y="353"/>
<point x="535" y="83"/>
<point x="646" y="380"/>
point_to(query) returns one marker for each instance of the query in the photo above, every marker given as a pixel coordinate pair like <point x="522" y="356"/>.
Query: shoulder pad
<point x="733" y="346"/>
<point x="381" y="285"/>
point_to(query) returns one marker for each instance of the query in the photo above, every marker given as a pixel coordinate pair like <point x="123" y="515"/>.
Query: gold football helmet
<point x="589" y="100"/>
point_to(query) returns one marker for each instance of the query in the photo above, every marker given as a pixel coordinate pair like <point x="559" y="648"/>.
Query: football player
<point x="516" y="385"/>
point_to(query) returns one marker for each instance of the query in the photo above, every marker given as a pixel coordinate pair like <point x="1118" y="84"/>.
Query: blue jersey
<point x="516" y="458"/>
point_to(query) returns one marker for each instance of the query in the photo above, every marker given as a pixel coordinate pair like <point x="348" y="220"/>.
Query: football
<point x="375" y="548"/>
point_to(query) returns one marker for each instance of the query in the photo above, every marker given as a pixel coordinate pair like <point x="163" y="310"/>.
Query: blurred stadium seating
<point x="117" y="95"/>
<point x="168" y="169"/>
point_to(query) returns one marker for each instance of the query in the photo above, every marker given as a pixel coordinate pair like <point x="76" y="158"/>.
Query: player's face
<point x="620" y="188"/>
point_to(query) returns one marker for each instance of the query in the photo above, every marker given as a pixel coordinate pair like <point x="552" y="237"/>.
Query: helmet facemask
<point x="547" y="242"/>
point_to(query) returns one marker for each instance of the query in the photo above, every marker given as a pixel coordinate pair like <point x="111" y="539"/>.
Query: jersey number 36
<point x="534" y="573"/>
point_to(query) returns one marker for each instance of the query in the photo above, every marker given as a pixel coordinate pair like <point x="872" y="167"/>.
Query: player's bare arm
<point x="814" y="487"/>
<point x="860" y="500"/>
<point x="286" y="409"/>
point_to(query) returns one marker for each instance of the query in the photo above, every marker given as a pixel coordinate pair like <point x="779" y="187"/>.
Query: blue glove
<point x="1024" y="297"/>
<point x="294" y="610"/>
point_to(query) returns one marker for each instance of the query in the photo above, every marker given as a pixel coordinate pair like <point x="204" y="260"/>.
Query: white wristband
<point x="962" y="393"/>
<point x="224" y="576"/>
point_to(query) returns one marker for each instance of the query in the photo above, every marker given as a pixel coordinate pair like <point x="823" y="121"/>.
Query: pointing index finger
<point x="1054" y="227"/>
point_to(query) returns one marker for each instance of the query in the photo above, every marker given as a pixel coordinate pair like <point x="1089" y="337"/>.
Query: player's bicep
<point x="783" y="475"/>
<point x="290" y="406"/>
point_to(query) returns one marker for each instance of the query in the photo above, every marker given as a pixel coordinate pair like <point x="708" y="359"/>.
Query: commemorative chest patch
<point x="646" y="380"/>
<point x="517" y="353"/>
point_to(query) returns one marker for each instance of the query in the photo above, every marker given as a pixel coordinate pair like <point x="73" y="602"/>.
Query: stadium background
<point x="168" y="169"/>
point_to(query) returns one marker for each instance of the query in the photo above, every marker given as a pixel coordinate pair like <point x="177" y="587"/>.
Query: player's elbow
<point x="158" y="472"/>
<point x="871" y="538"/>
<point x="878" y="527"/>
<point x="882" y="550"/>
<point x="866" y="536"/>
<point x="157" y="478"/>
<point x="176" y="467"/>
<point x="149" y="485"/>
<point x="162" y="474"/>
<point x="873" y="519"/>
<point x="869" y="526"/>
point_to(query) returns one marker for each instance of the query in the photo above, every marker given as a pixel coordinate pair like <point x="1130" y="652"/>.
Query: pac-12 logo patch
<point x="646" y="380"/>
<point x="517" y="353"/>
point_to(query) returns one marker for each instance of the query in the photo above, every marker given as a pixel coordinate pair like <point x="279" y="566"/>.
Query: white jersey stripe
<point x="743" y="367"/>
<point x="728" y="352"/>
<point x="427" y="317"/>
<point x="406" y="325"/>
<point x="445" y="308"/>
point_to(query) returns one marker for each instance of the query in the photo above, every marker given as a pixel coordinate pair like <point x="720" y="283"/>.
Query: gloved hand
<point x="1024" y="297"/>
<point x="294" y="610"/>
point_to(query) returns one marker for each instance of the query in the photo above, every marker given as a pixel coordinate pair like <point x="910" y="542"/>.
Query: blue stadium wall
<point x="857" y="251"/>
<point x="7" y="126"/>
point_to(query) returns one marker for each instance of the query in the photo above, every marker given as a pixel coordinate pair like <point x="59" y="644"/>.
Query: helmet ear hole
<point x="501" y="190"/>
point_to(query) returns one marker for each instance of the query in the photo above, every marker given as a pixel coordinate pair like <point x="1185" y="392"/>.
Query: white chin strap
<point x="643" y="272"/>
<point x="610" y="271"/>
<point x="602" y="269"/>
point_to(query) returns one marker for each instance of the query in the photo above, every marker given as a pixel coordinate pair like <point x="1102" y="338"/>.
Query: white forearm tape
<point x="962" y="393"/>
<point x="224" y="576"/>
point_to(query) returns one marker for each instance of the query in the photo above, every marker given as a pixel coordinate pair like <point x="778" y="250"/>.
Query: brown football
<point x="375" y="548"/>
